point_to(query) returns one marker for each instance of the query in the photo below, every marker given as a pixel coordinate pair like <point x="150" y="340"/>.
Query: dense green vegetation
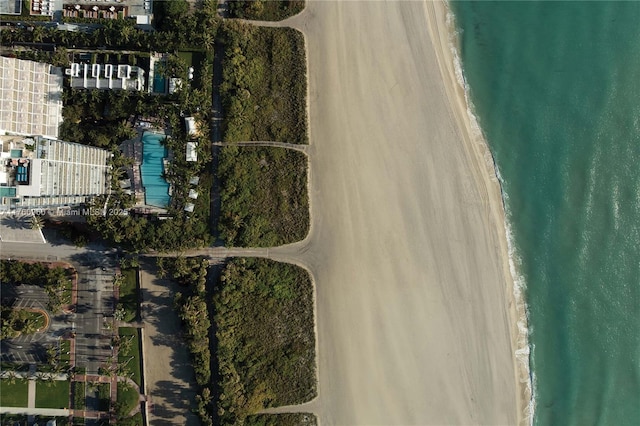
<point x="264" y="84"/>
<point x="127" y="400"/>
<point x="55" y="281"/>
<point x="192" y="309"/>
<point x="265" y="10"/>
<point x="16" y="322"/>
<point x="286" y="419"/>
<point x="128" y="301"/>
<point x="263" y="193"/>
<point x="13" y="392"/>
<point x="128" y="343"/>
<point x="54" y="394"/>
<point x="266" y="346"/>
<point x="101" y="117"/>
<point x="191" y="274"/>
<point x="78" y="395"/>
<point x="195" y="29"/>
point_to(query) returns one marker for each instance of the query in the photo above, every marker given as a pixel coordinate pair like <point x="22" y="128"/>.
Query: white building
<point x="190" y="124"/>
<point x="44" y="173"/>
<point x="106" y="76"/>
<point x="30" y="98"/>
<point x="192" y="154"/>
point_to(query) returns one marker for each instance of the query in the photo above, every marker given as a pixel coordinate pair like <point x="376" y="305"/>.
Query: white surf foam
<point x="523" y="349"/>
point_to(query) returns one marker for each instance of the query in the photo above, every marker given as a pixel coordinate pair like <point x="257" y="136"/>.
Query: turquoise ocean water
<point x="556" y="89"/>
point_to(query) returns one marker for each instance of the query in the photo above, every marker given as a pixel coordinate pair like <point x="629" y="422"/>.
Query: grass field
<point x="13" y="395"/>
<point x="132" y="355"/>
<point x="129" y="294"/>
<point x="264" y="199"/>
<point x="52" y="395"/>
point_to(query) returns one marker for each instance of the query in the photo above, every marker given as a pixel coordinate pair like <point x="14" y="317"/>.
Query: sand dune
<point x="414" y="297"/>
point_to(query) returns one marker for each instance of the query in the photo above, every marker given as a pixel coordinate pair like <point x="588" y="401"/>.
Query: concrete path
<point x="31" y="398"/>
<point x="49" y="412"/>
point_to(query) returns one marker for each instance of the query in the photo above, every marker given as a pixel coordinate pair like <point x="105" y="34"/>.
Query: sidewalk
<point x="49" y="412"/>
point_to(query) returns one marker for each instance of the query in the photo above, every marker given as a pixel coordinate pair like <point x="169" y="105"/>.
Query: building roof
<point x="106" y="76"/>
<point x="190" y="122"/>
<point x="30" y="98"/>
<point x="192" y="154"/>
<point x="55" y="173"/>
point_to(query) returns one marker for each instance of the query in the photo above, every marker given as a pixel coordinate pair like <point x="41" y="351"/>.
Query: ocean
<point x="555" y="87"/>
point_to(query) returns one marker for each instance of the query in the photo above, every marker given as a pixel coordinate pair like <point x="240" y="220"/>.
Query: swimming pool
<point x="156" y="189"/>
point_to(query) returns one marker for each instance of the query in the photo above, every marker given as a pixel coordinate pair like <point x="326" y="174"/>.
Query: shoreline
<point x="442" y="28"/>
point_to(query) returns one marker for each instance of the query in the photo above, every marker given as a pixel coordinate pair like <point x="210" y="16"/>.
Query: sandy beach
<point x="416" y="316"/>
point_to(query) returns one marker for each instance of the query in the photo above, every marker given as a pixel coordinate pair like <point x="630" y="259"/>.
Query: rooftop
<point x="30" y="98"/>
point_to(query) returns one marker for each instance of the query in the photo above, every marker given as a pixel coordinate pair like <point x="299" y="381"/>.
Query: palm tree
<point x="37" y="222"/>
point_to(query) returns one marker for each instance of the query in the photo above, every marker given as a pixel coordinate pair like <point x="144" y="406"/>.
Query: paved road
<point x="48" y="412"/>
<point x="95" y="303"/>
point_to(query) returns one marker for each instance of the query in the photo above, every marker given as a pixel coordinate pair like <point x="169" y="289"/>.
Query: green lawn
<point x="131" y="356"/>
<point x="129" y="294"/>
<point x="52" y="395"/>
<point x="37" y="319"/>
<point x="65" y="349"/>
<point x="128" y="397"/>
<point x="13" y="395"/>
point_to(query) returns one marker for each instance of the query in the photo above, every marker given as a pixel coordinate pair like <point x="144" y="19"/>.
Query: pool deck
<point x="133" y="149"/>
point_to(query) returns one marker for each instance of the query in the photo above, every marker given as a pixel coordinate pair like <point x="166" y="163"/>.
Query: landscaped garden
<point x="129" y="353"/>
<point x="78" y="395"/>
<point x="128" y="294"/>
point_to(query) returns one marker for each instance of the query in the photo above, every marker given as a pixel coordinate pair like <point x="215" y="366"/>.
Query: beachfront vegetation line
<point x="263" y="193"/>
<point x="264" y="84"/>
<point x="265" y="332"/>
<point x="284" y="419"/>
<point x="261" y="10"/>
<point x="191" y="274"/>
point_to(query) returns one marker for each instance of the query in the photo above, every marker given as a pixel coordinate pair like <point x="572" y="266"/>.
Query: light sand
<point x="415" y="309"/>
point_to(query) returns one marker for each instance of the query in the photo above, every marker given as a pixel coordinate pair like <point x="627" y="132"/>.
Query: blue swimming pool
<point x="155" y="187"/>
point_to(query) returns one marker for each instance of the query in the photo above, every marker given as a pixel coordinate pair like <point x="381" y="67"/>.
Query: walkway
<point x="48" y="412"/>
<point x="298" y="147"/>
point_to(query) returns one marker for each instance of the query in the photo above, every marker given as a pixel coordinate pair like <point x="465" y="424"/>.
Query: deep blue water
<point x="556" y="88"/>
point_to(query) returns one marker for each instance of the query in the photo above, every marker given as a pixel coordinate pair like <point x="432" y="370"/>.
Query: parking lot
<point x="32" y="347"/>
